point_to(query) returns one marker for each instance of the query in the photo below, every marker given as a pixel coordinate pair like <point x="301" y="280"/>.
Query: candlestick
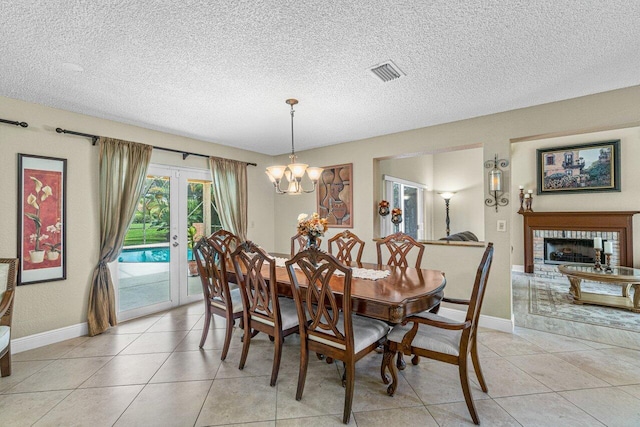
<point x="530" y="191"/>
<point x="528" y="200"/>
<point x="608" y="248"/>
<point x="608" y="268"/>
<point x="598" y="266"/>
<point x="521" y="196"/>
<point x="597" y="242"/>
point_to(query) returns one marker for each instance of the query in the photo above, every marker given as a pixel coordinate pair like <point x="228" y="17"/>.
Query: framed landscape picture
<point x="335" y="196"/>
<point x="589" y="167"/>
<point x="41" y="219"/>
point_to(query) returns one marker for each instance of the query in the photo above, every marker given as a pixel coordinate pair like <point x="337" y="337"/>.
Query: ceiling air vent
<point x="387" y="71"/>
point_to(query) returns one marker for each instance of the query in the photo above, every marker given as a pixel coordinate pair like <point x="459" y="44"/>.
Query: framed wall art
<point x="592" y="167"/>
<point x="335" y="195"/>
<point x="41" y="219"/>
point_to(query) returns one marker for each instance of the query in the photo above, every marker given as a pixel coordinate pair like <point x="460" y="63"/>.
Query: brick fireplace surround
<point x="616" y="226"/>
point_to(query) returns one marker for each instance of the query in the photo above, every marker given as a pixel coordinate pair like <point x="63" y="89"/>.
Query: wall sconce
<point x="447" y="196"/>
<point x="497" y="196"/>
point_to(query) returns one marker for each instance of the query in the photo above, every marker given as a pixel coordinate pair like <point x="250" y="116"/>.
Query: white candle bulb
<point x="597" y="242"/>
<point x="608" y="247"/>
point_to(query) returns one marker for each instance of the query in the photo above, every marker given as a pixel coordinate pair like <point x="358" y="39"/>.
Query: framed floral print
<point x="335" y="195"/>
<point x="42" y="183"/>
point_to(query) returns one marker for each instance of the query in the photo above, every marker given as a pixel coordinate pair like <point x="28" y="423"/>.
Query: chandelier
<point x="293" y="172"/>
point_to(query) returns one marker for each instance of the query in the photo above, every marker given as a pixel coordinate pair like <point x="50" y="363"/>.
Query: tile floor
<point x="150" y="372"/>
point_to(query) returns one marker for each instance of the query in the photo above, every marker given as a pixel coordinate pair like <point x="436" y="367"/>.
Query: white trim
<point x="490" y="322"/>
<point x="517" y="268"/>
<point x="404" y="182"/>
<point x="41" y="339"/>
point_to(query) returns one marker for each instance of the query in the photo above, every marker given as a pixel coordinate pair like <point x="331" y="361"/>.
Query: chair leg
<point x="277" y="355"/>
<point x="387" y="364"/>
<point x="227" y="338"/>
<point x="350" y="370"/>
<point x="205" y="328"/>
<point x="464" y="381"/>
<point x="400" y="363"/>
<point x="302" y="375"/>
<point x="5" y="363"/>
<point x="246" y="342"/>
<point x="476" y="366"/>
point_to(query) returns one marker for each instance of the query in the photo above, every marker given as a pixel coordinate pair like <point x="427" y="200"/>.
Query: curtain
<point x="230" y="194"/>
<point x="123" y="168"/>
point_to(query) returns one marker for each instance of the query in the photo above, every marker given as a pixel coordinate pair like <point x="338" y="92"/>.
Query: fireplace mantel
<point x="606" y="221"/>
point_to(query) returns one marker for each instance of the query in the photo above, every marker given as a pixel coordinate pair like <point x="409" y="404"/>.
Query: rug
<point x="550" y="297"/>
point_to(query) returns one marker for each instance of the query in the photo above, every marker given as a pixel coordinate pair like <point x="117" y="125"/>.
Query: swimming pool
<point x="157" y="254"/>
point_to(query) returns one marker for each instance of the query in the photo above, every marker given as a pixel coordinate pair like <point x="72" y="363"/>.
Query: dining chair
<point x="326" y="327"/>
<point x="299" y="242"/>
<point x="399" y="245"/>
<point x="264" y="311"/>
<point x="219" y="299"/>
<point x="345" y="243"/>
<point x="436" y="337"/>
<point x="8" y="278"/>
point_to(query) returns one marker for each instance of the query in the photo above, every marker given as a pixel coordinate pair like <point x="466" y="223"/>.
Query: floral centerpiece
<point x="312" y="227"/>
<point x="37" y="255"/>
<point x="383" y="208"/>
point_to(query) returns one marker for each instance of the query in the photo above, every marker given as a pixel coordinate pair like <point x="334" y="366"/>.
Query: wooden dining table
<point x="405" y="291"/>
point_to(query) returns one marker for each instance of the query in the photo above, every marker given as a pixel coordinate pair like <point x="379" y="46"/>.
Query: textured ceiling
<point x="220" y="71"/>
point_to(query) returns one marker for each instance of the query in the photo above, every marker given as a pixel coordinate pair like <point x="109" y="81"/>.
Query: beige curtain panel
<point x="230" y="194"/>
<point x="123" y="168"/>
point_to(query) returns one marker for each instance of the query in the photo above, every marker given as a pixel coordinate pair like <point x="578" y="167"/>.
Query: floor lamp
<point x="447" y="196"/>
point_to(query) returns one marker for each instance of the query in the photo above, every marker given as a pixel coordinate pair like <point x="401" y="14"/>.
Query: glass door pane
<point x="410" y="211"/>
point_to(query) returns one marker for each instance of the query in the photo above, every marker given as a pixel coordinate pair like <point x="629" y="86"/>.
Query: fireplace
<point x="562" y="250"/>
<point x="616" y="227"/>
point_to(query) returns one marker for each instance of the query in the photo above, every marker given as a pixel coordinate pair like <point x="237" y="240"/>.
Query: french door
<point x="156" y="269"/>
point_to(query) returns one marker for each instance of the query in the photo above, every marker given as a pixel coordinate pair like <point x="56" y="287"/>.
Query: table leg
<point x="575" y="287"/>
<point x="636" y="297"/>
<point x="625" y="290"/>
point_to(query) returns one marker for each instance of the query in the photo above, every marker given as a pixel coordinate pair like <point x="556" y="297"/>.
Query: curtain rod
<point x="10" y="122"/>
<point x="185" y="154"/>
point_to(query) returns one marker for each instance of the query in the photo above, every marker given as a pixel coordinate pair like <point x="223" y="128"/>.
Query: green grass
<point x="135" y="235"/>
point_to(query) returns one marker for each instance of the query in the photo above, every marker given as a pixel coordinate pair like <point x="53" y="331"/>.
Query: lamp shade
<point x="495" y="180"/>
<point x="447" y="195"/>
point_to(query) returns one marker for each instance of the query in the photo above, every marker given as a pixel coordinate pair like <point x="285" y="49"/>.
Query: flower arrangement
<point x="314" y="226"/>
<point x="33" y="200"/>
<point x="54" y="248"/>
<point x="396" y="211"/>
<point x="383" y="208"/>
<point x="396" y="216"/>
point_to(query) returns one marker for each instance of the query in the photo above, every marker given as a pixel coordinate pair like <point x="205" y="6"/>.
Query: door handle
<point x="175" y="237"/>
<point x="175" y="244"/>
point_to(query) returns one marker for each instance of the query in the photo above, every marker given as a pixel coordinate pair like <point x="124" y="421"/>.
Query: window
<point x="568" y="158"/>
<point x="550" y="160"/>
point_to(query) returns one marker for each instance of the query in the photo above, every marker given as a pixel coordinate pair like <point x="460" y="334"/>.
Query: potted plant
<point x="54" y="248"/>
<point x="192" y="238"/>
<point x="36" y="255"/>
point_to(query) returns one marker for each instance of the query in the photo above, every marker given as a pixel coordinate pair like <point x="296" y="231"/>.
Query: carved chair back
<point x="8" y="279"/>
<point x="212" y="269"/>
<point x="477" y="295"/>
<point x="399" y="245"/>
<point x="346" y="242"/>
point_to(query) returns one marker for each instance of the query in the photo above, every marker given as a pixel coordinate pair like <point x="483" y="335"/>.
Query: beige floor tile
<point x="169" y="404"/>
<point x="323" y="394"/>
<point x="24" y="409"/>
<point x="127" y="369"/>
<point x="155" y="342"/>
<point x="238" y="400"/>
<point x="20" y="371"/>
<point x="552" y="343"/>
<point x="102" y="345"/>
<point x="133" y="326"/>
<point x="437" y="382"/>
<point x="457" y="414"/>
<point x="49" y="352"/>
<point x="633" y="390"/>
<point x="322" y="421"/>
<point x="215" y="340"/>
<point x="193" y="309"/>
<point x="548" y="409"/>
<point x="555" y="373"/>
<point x="416" y="416"/>
<point x="61" y="374"/>
<point x="505" y="344"/>
<point x="505" y="379"/>
<point x="91" y="407"/>
<point x="217" y="322"/>
<point x="611" y="406"/>
<point x="605" y="365"/>
<point x="175" y="323"/>
<point x="189" y="366"/>
<point x="258" y="424"/>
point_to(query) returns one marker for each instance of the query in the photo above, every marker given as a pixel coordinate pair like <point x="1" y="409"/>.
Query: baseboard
<point x="490" y="322"/>
<point x="517" y="268"/>
<point x="29" y="342"/>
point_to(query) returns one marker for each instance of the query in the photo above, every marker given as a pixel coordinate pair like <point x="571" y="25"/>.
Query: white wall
<point x="46" y="306"/>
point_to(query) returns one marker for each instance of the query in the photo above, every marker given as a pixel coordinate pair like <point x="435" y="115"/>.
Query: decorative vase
<point x="52" y="256"/>
<point x="36" y="256"/>
<point x="312" y="241"/>
<point x="396" y="219"/>
<point x="193" y="268"/>
<point x="383" y="210"/>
